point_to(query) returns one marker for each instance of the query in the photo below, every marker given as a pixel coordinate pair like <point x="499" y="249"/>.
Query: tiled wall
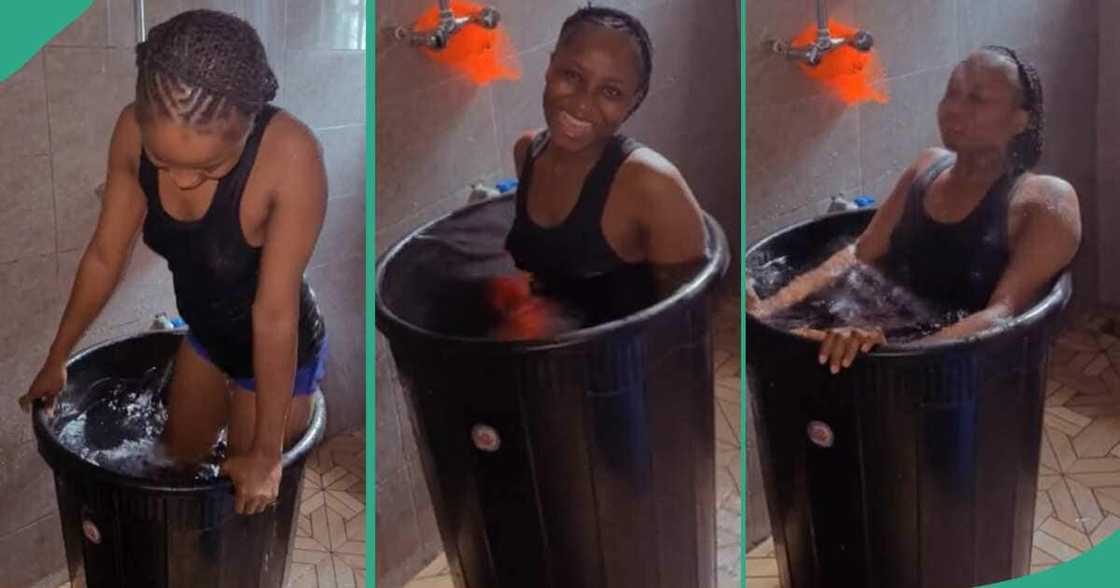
<point x="56" y="116"/>
<point x="1108" y="148"/>
<point x="804" y="146"/>
<point x="436" y="134"/>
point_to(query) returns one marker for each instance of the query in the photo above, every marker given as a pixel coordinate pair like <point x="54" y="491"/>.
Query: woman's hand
<point x="46" y="385"/>
<point x="256" y="481"/>
<point x="839" y="346"/>
<point x="102" y="264"/>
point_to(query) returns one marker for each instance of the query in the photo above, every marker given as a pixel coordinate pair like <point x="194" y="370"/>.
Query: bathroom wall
<point x="804" y="146"/>
<point x="1108" y="150"/>
<point x="436" y="133"/>
<point x="56" y="116"/>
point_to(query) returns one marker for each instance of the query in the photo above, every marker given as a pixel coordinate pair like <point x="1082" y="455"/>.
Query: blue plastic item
<point x="864" y="201"/>
<point x="506" y="185"/>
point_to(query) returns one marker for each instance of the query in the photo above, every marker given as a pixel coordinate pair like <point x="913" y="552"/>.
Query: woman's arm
<point x="803" y="285"/>
<point x="871" y="246"/>
<point x="670" y="220"/>
<point x="1046" y="244"/>
<point x="105" y="257"/>
<point x="840" y="346"/>
<point x="293" y="225"/>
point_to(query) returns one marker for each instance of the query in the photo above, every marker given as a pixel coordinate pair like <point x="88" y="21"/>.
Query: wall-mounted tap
<point x="813" y="53"/>
<point x="449" y="24"/>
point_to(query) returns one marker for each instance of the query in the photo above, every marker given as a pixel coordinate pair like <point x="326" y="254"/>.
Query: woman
<point x="231" y="191"/>
<point x="970" y="225"/>
<point x="602" y="221"/>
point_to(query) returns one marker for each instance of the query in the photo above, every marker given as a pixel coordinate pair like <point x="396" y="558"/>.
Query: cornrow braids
<point x="201" y="65"/>
<point x="1026" y="147"/>
<point x="618" y="20"/>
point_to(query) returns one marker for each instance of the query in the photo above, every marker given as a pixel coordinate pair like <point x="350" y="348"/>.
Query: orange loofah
<point x="532" y="319"/>
<point x="506" y="293"/>
<point x="523" y="315"/>
<point x="852" y="75"/>
<point x="483" y="55"/>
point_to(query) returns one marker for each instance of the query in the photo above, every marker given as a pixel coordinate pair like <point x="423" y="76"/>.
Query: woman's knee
<point x="197" y="407"/>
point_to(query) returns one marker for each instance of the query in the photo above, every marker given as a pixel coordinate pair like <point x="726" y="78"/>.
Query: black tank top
<point x="953" y="264"/>
<point x="573" y="261"/>
<point x="215" y="270"/>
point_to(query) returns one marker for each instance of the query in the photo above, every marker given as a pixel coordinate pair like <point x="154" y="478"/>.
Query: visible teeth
<point x="573" y="121"/>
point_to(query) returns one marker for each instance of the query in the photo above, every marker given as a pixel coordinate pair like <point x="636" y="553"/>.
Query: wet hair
<point x="202" y="65"/>
<point x="1026" y="147"/>
<point x="614" y="19"/>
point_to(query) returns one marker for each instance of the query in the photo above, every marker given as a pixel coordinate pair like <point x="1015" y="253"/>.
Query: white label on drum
<point x="91" y="532"/>
<point x="485" y="438"/>
<point x="820" y="434"/>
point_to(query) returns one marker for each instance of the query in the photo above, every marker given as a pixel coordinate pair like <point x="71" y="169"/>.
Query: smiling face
<point x="191" y="155"/>
<point x="592" y="85"/>
<point x="982" y="106"/>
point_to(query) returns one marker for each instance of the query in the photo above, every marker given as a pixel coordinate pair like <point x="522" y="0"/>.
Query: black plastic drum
<point x="585" y="460"/>
<point x="914" y="467"/>
<point x="128" y="532"/>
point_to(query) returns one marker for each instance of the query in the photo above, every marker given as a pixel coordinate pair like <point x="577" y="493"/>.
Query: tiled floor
<point x="1079" y="479"/>
<point x="727" y="458"/>
<point x="330" y="548"/>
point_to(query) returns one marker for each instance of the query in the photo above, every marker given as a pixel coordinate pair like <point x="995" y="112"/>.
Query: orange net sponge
<point x="483" y="55"/>
<point x="523" y="316"/>
<point x="850" y="74"/>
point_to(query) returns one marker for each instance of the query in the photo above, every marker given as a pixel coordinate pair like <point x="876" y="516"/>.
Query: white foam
<point x="138" y="416"/>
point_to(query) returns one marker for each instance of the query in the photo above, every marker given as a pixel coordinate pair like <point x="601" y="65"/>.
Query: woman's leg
<point x="197" y="406"/>
<point x="243" y="418"/>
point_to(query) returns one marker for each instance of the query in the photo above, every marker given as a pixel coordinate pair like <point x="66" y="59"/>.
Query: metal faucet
<point x="449" y="24"/>
<point x="813" y="53"/>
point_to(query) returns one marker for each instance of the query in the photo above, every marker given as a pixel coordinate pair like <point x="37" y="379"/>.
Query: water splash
<point x="859" y="296"/>
<point x="863" y="296"/>
<point x="118" y="426"/>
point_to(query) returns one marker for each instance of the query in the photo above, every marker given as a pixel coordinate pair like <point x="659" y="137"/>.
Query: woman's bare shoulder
<point x="928" y="157"/>
<point x="1047" y="195"/>
<point x="288" y="134"/>
<point x="646" y="168"/>
<point x="521" y="148"/>
<point x="125" y="145"/>
<point x="1048" y="186"/>
<point x="655" y="187"/>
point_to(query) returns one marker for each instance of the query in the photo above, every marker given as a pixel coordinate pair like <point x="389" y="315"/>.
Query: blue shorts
<point x="307" y="376"/>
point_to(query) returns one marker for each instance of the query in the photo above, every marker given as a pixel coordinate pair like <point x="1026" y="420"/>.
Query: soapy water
<point x="859" y="296"/>
<point x="119" y="426"/>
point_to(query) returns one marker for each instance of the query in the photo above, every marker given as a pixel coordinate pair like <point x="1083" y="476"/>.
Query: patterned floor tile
<point x="330" y="550"/>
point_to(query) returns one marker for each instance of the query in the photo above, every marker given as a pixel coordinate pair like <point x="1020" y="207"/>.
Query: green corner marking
<point x="1095" y="568"/>
<point x="26" y="26"/>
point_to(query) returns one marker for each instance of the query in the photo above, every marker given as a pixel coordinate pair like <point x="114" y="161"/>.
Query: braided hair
<point x="1026" y="147"/>
<point x="202" y="65"/>
<point x="617" y="20"/>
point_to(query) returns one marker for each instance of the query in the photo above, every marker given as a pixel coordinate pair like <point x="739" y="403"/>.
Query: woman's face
<point x="981" y="109"/>
<point x="192" y="155"/>
<point x="591" y="86"/>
